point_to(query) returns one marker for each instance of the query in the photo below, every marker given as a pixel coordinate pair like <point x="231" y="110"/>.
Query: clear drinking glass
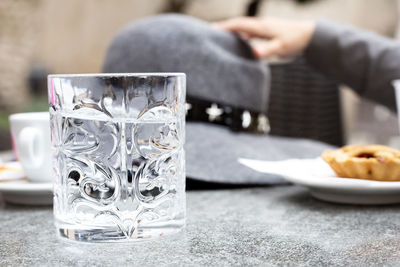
<point x="118" y="158"/>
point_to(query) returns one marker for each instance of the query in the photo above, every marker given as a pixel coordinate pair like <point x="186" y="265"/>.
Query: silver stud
<point x="214" y="112"/>
<point x="263" y="124"/>
<point x="246" y="119"/>
<point x="188" y="107"/>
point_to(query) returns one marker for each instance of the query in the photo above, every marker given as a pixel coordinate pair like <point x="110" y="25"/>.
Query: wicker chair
<point x="304" y="103"/>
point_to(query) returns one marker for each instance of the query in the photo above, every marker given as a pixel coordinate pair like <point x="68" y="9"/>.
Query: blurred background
<point x="38" y="37"/>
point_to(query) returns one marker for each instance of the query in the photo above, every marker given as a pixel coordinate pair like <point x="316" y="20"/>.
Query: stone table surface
<point x="267" y="226"/>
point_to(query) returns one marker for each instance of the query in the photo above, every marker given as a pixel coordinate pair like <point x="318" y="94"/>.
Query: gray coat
<point x="362" y="60"/>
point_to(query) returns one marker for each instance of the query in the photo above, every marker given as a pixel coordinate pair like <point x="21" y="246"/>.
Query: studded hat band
<point x="236" y="119"/>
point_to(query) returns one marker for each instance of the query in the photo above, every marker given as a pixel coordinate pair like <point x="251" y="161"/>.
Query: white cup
<point x="31" y="137"/>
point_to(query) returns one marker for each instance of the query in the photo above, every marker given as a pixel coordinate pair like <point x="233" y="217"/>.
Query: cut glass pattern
<point x="118" y="155"/>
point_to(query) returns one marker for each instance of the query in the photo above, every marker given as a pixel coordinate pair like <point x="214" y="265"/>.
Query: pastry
<point x="372" y="162"/>
<point x="11" y="171"/>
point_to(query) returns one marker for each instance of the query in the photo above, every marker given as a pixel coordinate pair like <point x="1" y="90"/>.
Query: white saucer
<point x="27" y="193"/>
<point x="324" y="184"/>
<point x="16" y="189"/>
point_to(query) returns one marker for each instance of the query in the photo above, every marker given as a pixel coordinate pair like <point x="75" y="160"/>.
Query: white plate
<point x="324" y="184"/>
<point x="27" y="193"/>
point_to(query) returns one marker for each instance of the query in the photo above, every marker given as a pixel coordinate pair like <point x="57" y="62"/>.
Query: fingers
<point x="281" y="37"/>
<point x="268" y="49"/>
<point x="248" y="26"/>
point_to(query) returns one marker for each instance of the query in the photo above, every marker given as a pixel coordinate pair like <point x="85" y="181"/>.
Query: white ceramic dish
<point x="323" y="183"/>
<point x="27" y="193"/>
<point x="15" y="188"/>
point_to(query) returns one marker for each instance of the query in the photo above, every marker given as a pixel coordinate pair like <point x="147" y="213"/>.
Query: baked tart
<point x="371" y="162"/>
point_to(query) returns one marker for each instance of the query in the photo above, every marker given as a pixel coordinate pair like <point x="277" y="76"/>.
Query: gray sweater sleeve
<point x="362" y="60"/>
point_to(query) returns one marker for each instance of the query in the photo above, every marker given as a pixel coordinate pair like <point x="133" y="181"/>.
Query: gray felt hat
<point x="222" y="69"/>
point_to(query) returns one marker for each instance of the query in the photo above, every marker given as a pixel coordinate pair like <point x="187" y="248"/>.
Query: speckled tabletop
<point x="258" y="226"/>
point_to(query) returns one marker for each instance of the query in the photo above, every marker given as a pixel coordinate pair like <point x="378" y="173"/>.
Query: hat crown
<point x="220" y="67"/>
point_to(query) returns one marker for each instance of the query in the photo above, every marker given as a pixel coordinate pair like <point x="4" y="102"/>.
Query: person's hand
<point x="284" y="37"/>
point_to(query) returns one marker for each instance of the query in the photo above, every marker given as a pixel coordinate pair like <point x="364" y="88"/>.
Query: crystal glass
<point x="118" y="158"/>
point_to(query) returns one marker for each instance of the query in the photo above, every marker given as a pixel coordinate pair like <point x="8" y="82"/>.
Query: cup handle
<point x="31" y="148"/>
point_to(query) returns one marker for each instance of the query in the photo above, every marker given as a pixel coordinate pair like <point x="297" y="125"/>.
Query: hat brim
<point x="212" y="153"/>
